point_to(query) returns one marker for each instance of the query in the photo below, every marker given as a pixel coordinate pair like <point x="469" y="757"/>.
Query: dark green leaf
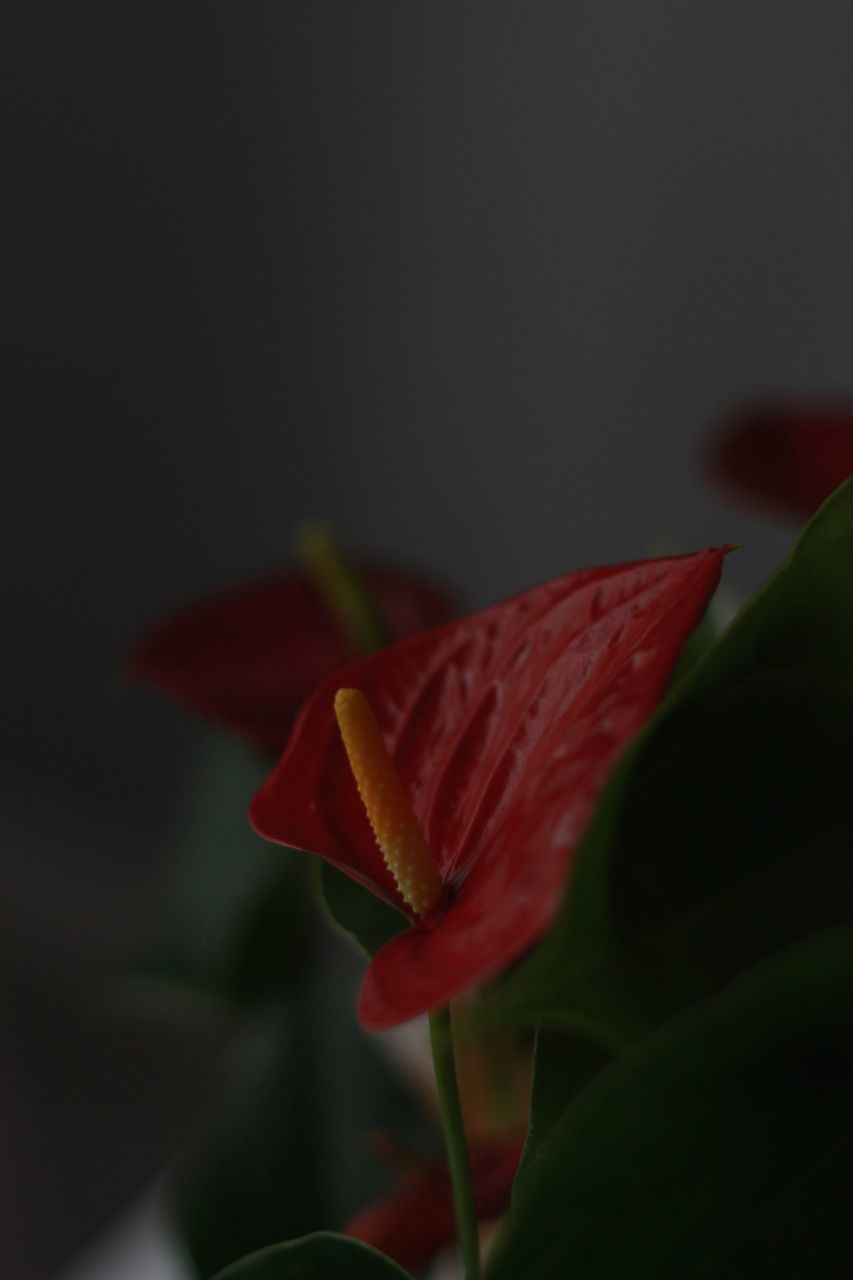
<point x="769" y="859"/>
<point x="358" y="915"/>
<point x="718" y="615"/>
<point x="290" y="1149"/>
<point x="563" y="1064"/>
<point x="318" y="1257"/>
<point x="832" y="520"/>
<point x="236" y="910"/>
<point x="732" y="1124"/>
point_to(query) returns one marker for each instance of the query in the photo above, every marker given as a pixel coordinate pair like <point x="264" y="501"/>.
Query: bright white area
<point x="138" y="1247"/>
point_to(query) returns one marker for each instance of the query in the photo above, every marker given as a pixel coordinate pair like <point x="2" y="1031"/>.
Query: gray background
<point x="468" y="279"/>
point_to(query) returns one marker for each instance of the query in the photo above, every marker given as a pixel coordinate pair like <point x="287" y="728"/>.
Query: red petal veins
<point x="503" y="727"/>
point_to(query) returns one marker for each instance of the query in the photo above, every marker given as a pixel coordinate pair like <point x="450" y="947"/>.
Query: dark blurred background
<point x="469" y="280"/>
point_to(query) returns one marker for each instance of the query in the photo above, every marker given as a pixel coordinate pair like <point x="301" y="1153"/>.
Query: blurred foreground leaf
<point x="721" y="1146"/>
<point x="237" y="907"/>
<point x="290" y="1148"/>
<point x="318" y="1257"/>
<point x="563" y="1065"/>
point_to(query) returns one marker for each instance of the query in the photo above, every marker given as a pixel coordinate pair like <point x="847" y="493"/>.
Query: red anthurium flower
<point x="492" y="739"/>
<point x="417" y="1219"/>
<point x="787" y="456"/>
<point x="249" y="658"/>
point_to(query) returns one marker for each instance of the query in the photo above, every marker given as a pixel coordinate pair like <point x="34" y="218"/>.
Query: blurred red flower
<point x="416" y="1219"/>
<point x="786" y="456"/>
<point x="248" y="658"/>
<point x="502" y="728"/>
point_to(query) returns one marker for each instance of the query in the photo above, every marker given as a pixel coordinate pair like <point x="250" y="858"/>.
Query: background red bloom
<point x="417" y="1219"/>
<point x="502" y="727"/>
<point x="786" y="456"/>
<point x="248" y="658"/>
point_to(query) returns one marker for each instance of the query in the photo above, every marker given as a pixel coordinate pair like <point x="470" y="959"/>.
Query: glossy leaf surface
<point x="250" y="657"/>
<point x="502" y="727"/>
<point x="786" y="456"/>
<point x="724" y="1139"/>
<point x="417" y="1218"/>
<point x="319" y="1257"/>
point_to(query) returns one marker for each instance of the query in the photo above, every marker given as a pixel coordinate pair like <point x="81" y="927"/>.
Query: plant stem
<point x="441" y="1036"/>
<point x="342" y="588"/>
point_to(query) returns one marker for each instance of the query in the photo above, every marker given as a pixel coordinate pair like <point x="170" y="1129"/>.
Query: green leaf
<point x="289" y="1149"/>
<point x="355" y="913"/>
<point x="731" y="1125"/>
<point x="830" y="521"/>
<point x="717" y="616"/>
<point x="767" y="795"/>
<point x="235" y="916"/>
<point x="724" y="832"/>
<point x="563" y="1064"/>
<point x="319" y="1257"/>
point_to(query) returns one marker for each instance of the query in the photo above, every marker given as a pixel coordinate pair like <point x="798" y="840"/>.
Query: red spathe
<point x="248" y="658"/>
<point x="503" y="727"/>
<point x="417" y="1218"/>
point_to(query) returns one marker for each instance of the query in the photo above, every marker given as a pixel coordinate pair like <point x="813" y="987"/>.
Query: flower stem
<point x="441" y="1036"/>
<point x="342" y="588"/>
